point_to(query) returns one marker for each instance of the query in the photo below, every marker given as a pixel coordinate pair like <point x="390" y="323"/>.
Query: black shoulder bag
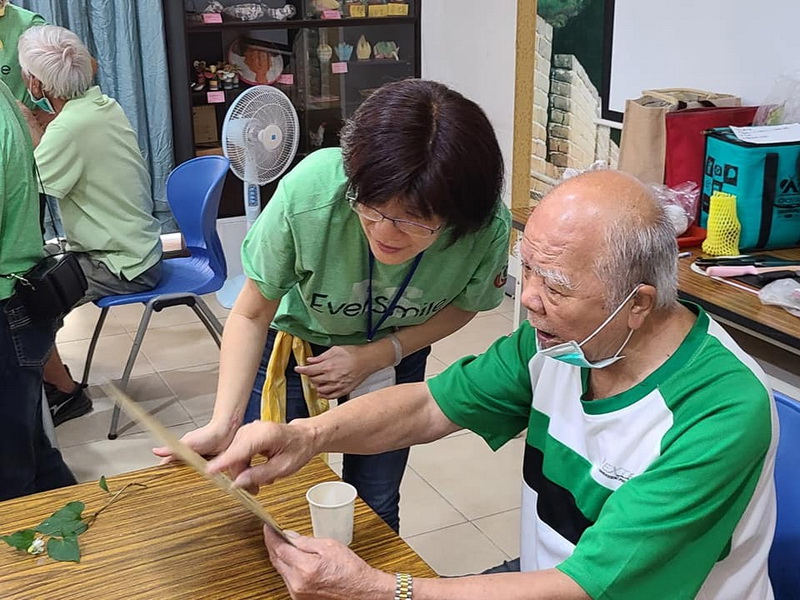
<point x="55" y="284"/>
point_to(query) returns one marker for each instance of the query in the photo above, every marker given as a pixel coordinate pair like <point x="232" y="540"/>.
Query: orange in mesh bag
<point x="723" y="226"/>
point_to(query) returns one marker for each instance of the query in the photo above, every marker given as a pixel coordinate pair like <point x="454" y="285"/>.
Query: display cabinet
<point x="326" y="55"/>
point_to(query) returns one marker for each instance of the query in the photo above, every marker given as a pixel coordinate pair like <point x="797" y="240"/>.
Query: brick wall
<point x="574" y="106"/>
<point x="541" y="106"/>
<point x="565" y="107"/>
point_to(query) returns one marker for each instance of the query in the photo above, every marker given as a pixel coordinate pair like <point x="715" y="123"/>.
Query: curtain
<point x="127" y="39"/>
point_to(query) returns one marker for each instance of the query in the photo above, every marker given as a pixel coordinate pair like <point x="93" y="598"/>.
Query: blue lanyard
<point x="371" y="331"/>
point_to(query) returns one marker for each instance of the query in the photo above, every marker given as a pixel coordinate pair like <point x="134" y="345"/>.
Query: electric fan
<point x="259" y="136"/>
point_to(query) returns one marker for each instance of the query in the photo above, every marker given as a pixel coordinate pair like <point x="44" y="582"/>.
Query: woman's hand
<point x="207" y="441"/>
<point x="340" y="370"/>
<point x="319" y="568"/>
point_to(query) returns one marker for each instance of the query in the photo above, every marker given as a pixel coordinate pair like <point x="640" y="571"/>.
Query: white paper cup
<point x="332" y="505"/>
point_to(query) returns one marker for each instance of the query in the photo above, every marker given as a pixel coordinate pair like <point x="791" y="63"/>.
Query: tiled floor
<point x="460" y="501"/>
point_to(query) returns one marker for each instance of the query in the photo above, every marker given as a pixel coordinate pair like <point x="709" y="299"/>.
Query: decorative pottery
<point x="387" y="50"/>
<point x="322" y="5"/>
<point x="363" y="49"/>
<point x="344" y="51"/>
<point x="324" y="52"/>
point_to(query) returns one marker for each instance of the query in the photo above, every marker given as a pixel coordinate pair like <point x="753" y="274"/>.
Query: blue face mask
<point x="572" y="353"/>
<point x="42" y="103"/>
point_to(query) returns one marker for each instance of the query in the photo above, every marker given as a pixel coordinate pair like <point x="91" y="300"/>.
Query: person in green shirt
<point x="89" y="159"/>
<point x="14" y="21"/>
<point x="650" y="436"/>
<point x="364" y="257"/>
<point x="28" y="462"/>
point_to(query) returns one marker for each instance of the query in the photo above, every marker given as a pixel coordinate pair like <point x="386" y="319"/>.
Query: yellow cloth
<point x="273" y="394"/>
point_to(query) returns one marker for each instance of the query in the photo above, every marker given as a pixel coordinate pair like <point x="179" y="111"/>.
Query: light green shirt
<point x="20" y="236"/>
<point x="90" y="160"/>
<point x="308" y="248"/>
<point x="13" y="24"/>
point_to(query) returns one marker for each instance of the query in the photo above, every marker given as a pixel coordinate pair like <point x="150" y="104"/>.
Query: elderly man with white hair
<point x="650" y="438"/>
<point x="89" y="159"/>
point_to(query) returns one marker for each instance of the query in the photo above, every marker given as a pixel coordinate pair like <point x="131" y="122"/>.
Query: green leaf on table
<point x="104" y="484"/>
<point x="21" y="540"/>
<point x="64" y="549"/>
<point x="65" y="521"/>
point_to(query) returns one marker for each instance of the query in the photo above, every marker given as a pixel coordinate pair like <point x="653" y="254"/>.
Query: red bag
<point x="686" y="144"/>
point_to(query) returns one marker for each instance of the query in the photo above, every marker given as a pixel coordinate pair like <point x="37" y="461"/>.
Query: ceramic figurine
<point x="214" y="7"/>
<point x="363" y="49"/>
<point x="227" y="76"/>
<point x="211" y="77"/>
<point x="344" y="51"/>
<point x="318" y="136"/>
<point x="200" y="74"/>
<point x="387" y="50"/>
<point x="324" y="52"/>
<point x="321" y="5"/>
<point x="257" y="10"/>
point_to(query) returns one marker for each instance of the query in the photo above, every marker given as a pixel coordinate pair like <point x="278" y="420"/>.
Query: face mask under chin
<point x="572" y="352"/>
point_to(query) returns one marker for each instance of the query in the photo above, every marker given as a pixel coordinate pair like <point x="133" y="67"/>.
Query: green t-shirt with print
<point x="308" y="249"/>
<point x="13" y="24"/>
<point x="20" y="237"/>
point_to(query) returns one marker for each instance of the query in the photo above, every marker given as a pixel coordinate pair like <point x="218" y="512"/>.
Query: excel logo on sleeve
<point x="5" y="70"/>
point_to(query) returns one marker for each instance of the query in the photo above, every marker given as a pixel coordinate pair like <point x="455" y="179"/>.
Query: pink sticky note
<point x="212" y="18"/>
<point x="216" y="97"/>
<point x="286" y="78"/>
<point x="331" y="14"/>
<point x="339" y="67"/>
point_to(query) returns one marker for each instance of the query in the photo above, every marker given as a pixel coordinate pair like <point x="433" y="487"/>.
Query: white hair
<point x="57" y="58"/>
<point x="638" y="250"/>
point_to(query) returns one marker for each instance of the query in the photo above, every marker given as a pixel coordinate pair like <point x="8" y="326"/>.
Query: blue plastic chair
<point x="194" y="190"/>
<point x="784" y="556"/>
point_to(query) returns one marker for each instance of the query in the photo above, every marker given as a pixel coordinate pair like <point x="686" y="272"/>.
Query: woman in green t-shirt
<point x="364" y="257"/>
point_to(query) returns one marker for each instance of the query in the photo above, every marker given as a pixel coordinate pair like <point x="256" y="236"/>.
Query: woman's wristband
<point x="398" y="348"/>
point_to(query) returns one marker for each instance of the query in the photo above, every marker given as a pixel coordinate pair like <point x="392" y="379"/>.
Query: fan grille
<point x="252" y="112"/>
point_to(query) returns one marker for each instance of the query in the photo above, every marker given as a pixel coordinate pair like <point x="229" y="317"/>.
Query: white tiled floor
<point x="460" y="501"/>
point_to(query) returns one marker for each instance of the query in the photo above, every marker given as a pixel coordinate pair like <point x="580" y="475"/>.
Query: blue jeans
<point x="377" y="477"/>
<point x="28" y="462"/>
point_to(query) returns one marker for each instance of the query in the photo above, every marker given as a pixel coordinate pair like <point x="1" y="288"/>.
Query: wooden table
<point x="179" y="538"/>
<point x="739" y="308"/>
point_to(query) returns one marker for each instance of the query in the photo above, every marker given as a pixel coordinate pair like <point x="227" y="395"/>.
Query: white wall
<point x="734" y="47"/>
<point x="470" y="45"/>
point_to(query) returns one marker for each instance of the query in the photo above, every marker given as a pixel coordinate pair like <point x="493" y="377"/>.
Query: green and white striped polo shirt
<point x="663" y="491"/>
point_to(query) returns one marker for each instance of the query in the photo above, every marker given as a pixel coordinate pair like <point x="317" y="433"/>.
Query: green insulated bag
<point x="765" y="178"/>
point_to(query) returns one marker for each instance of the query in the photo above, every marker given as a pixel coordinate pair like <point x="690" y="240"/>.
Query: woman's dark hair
<point x="425" y="144"/>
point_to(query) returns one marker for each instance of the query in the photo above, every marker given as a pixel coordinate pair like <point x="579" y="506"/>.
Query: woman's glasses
<point x="376" y="216"/>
